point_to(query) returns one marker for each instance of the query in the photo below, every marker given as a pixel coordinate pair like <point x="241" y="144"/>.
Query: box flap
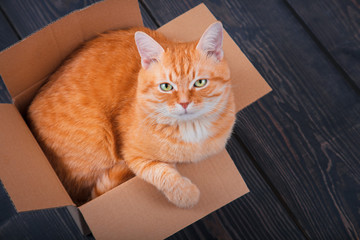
<point x="25" y="171"/>
<point x="29" y="62"/>
<point x="136" y="210"/>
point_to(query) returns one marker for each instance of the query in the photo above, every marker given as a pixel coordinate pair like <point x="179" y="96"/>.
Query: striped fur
<point x="102" y="117"/>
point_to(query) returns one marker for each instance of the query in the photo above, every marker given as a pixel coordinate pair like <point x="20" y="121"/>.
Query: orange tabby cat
<point x="132" y="102"/>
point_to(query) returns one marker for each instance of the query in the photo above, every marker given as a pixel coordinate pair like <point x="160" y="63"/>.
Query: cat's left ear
<point x="211" y="41"/>
<point x="148" y="48"/>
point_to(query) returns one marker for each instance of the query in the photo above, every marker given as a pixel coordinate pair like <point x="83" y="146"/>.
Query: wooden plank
<point x="165" y="11"/>
<point x="312" y="103"/>
<point x="319" y="187"/>
<point x="7" y="208"/>
<point x="32" y="15"/>
<point x="7" y="34"/>
<point x="55" y="223"/>
<point x="257" y="215"/>
<point x="4" y="93"/>
<point x="147" y="18"/>
<point x="336" y="25"/>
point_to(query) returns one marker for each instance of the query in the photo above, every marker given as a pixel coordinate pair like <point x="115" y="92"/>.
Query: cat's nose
<point x="185" y="104"/>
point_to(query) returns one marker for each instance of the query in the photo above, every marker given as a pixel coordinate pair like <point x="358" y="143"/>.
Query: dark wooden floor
<point x="298" y="148"/>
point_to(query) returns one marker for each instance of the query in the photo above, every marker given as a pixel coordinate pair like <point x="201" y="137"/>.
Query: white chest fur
<point x="195" y="131"/>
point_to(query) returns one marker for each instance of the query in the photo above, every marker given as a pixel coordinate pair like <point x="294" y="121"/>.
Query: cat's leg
<point x="177" y="189"/>
<point x="111" y="178"/>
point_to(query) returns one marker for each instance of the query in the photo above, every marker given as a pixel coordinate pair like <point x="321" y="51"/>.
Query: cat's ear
<point x="211" y="41"/>
<point x="148" y="48"/>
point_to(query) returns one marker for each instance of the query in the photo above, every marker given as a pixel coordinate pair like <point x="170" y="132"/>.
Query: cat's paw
<point x="183" y="194"/>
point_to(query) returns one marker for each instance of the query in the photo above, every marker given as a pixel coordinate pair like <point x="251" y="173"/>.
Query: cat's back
<point x="103" y="70"/>
<point x="93" y="84"/>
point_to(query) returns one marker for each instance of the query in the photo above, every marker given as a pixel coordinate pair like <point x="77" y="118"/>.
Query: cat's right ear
<point x="148" y="48"/>
<point x="212" y="40"/>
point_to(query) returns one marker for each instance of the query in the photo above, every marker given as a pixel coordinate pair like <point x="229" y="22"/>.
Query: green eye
<point x="200" y="83"/>
<point x="166" y="87"/>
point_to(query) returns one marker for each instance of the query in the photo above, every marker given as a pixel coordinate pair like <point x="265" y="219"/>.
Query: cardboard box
<point x="135" y="209"/>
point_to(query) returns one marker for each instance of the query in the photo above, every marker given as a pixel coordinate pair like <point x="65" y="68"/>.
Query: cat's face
<point x="184" y="85"/>
<point x="184" y="81"/>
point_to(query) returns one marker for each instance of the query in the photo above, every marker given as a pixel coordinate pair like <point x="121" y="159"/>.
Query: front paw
<point x="183" y="193"/>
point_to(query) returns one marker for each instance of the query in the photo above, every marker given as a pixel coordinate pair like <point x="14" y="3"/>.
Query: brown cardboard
<point x="135" y="209"/>
<point x="24" y="170"/>
<point x="141" y="212"/>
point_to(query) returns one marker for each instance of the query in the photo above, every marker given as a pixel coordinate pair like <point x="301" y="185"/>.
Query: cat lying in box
<point x="132" y="102"/>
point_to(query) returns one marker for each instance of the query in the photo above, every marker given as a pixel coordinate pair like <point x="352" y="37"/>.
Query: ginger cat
<point x="131" y="102"/>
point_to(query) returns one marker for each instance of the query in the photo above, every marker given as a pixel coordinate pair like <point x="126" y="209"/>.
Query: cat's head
<point x="183" y="81"/>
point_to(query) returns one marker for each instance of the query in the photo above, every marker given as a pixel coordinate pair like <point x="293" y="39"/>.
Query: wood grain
<point x="7" y="34"/>
<point x="336" y="25"/>
<point x="311" y="104"/>
<point x="7" y="38"/>
<point x="54" y="223"/>
<point x="147" y="17"/>
<point x="32" y="15"/>
<point x="4" y="93"/>
<point x="7" y="208"/>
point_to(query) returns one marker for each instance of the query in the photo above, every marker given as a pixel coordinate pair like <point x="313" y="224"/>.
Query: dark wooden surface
<point x="29" y="16"/>
<point x="336" y="26"/>
<point x="56" y="223"/>
<point x="298" y="147"/>
<point x="8" y="36"/>
<point x="4" y="94"/>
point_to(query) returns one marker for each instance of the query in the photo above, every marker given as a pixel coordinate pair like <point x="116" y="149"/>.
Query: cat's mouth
<point x="185" y="113"/>
<point x="185" y="116"/>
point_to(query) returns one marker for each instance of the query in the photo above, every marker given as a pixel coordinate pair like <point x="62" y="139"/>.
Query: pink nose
<point x="185" y="104"/>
